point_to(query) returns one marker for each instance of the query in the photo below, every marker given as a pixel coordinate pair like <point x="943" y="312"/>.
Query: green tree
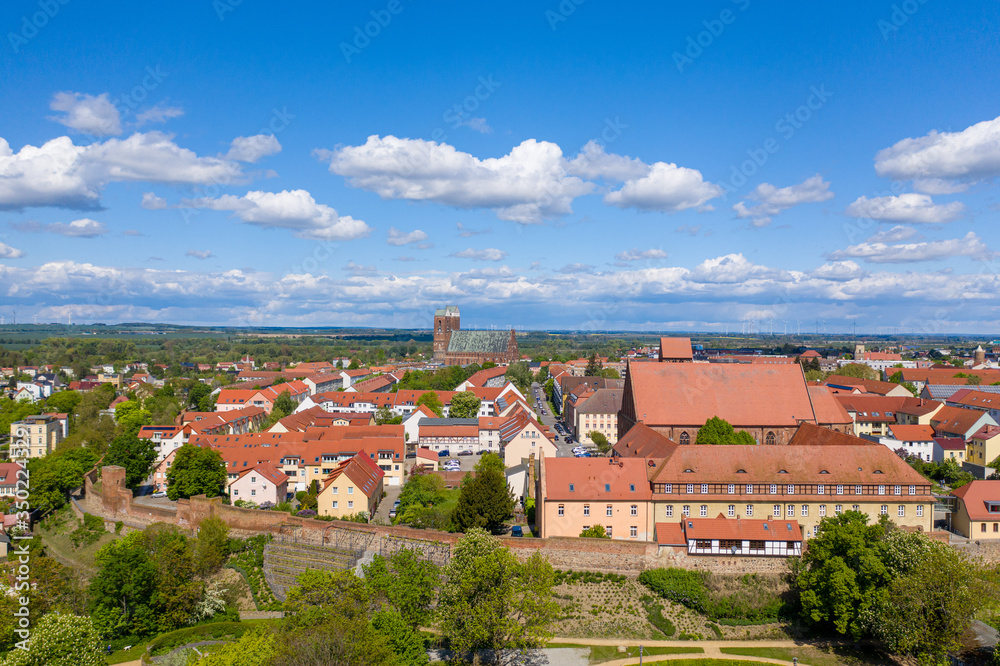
<point x="599" y="440"/>
<point x="485" y="501"/>
<point x="53" y="476"/>
<point x="492" y="600"/>
<point x="60" y="639"/>
<point x="858" y="371"/>
<point x="718" y="432"/>
<point x="176" y="590"/>
<point x="432" y="401"/>
<point x="519" y="374"/>
<point x="385" y="416"/>
<point x="212" y="545"/>
<point x="283" y="406"/>
<point x="62" y="401"/>
<point x="464" y="405"/>
<point x="130" y="416"/>
<point x="595" y="532"/>
<point x="254" y="648"/>
<point x="196" y="394"/>
<point x="196" y="471"/>
<point x="407" y="582"/>
<point x="134" y="454"/>
<point x="402" y="639"/>
<point x="121" y="590"/>
<point x="594" y="366"/>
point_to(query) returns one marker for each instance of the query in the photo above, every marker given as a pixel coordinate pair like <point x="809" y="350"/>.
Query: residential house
<point x="354" y="486"/>
<point x="160" y="471"/>
<point x="960" y="422"/>
<point x="9" y="475"/>
<point x="973" y="399"/>
<point x="263" y="484"/>
<point x="950" y="448"/>
<point x="854" y="385"/>
<point x="984" y="446"/>
<point x="916" y="440"/>
<point x="35" y="436"/>
<point x="744" y="537"/>
<point x="522" y="437"/>
<point x="977" y="510"/>
<point x="597" y="411"/>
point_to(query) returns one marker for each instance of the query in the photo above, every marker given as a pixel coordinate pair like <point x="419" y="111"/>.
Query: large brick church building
<point x="453" y="346"/>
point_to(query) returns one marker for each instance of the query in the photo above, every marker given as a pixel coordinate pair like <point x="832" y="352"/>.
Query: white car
<point x="452" y="468"/>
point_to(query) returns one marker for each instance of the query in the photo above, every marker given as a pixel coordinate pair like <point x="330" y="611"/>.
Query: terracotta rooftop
<point x="912" y="433"/>
<point x="596" y="479"/>
<point x="676" y="348"/>
<point x="361" y="470"/>
<point x="957" y="419"/>
<point x="670" y="534"/>
<point x="741" y="529"/>
<point x="951" y="443"/>
<point x="641" y="441"/>
<point x="809" y="434"/>
<point x="828" y="409"/>
<point x="975" y="496"/>
<point x="269" y="472"/>
<point x="744" y="395"/>
<point x="870" y="385"/>
<point x="986" y="432"/>
<point x="602" y="401"/>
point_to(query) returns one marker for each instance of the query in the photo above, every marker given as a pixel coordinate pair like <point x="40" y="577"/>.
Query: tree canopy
<point x="485" y="500"/>
<point x="719" y="432"/>
<point x="432" y="402"/>
<point x="600" y="441"/>
<point x="464" y="405"/>
<point x="134" y="454"/>
<point x="196" y="470"/>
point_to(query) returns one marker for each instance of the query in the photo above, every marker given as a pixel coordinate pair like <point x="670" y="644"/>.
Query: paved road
<point x="391" y="495"/>
<point x="564" y="450"/>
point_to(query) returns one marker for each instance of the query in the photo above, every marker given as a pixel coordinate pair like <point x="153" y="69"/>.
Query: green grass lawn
<point x="195" y="633"/>
<point x="60" y="547"/>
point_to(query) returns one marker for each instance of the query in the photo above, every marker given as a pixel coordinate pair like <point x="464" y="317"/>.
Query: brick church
<point x="453" y="346"/>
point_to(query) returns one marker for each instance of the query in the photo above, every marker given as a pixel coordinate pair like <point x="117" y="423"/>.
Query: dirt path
<point x="713" y="649"/>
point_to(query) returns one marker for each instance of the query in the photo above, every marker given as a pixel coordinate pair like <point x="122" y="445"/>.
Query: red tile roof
<point x="978" y="399"/>
<point x="676" y="348"/>
<point x="741" y="529"/>
<point x="975" y="495"/>
<point x="912" y="433"/>
<point x="986" y="432"/>
<point x="361" y="470"/>
<point x="670" y="534"/>
<point x="828" y="409"/>
<point x="808" y="434"/>
<point x="870" y="385"/>
<point x="951" y="443"/>
<point x="596" y="479"/>
<point x="956" y="419"/>
<point x="269" y="472"/>
<point x="745" y="395"/>
<point x="641" y="441"/>
<point x="483" y="376"/>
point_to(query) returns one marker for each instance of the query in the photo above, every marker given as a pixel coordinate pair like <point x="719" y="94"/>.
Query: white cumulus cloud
<point x="593" y="162"/>
<point x="199" y="254"/>
<point x="152" y="202"/>
<point x="489" y="254"/>
<point x="253" y="148"/>
<point x="83" y="228"/>
<point x="295" y="210"/>
<point x="908" y="208"/>
<point x="666" y="188"/>
<point x="528" y="185"/>
<point x="882" y="253"/>
<point x="773" y="200"/>
<point x="942" y="160"/>
<point x="8" y="252"/>
<point x="635" y="254"/>
<point x="87" y="114"/>
<point x="397" y="237"/>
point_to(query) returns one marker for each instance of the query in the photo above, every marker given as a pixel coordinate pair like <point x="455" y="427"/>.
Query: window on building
<point x="855" y="507"/>
<point x="881" y="490"/>
<point x="749" y="509"/>
<point x="703" y="544"/>
<point x="335" y="490"/>
<point x="634" y="510"/>
<point x="883" y="510"/>
<point x="253" y="491"/>
<point x="822" y="510"/>
<point x="253" y="479"/>
<point x="334" y="504"/>
<point x="731" y="510"/>
<point x="769" y="438"/>
<point x="805" y="510"/>
<point x="913" y="490"/>
<point x="840" y="489"/>
<point x="633" y="531"/>
<point x="819" y="489"/>
<point x="920" y="511"/>
<point x="690" y="488"/>
<point x="686" y="510"/>
<point x="350" y="490"/>
<point x="350" y="504"/>
<point x="857" y="490"/>
<point x="670" y="511"/>
<point x="776" y="511"/>
<point x="790" y="489"/>
<point x="731" y="545"/>
<point x="607" y="530"/>
<point x="610" y="510"/>
<point x="703" y="512"/>
<point x="901" y="510"/>
<point x="756" y="544"/>
<point x="685" y="438"/>
<point x="838" y="509"/>
<point x="791" y="511"/>
<point x="562" y="510"/>
<point x="749" y="489"/>
<point x="732" y="488"/>
<point x="586" y="509"/>
<point x="704" y="489"/>
<point x="669" y="488"/>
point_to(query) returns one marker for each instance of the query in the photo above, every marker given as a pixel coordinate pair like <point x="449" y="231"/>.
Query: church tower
<point x="446" y="320"/>
<point x="859" y="351"/>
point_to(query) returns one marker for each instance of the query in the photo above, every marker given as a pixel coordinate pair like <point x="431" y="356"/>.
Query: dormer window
<point x="571" y="487"/>
<point x="993" y="507"/>
<point x="823" y="471"/>
<point x="689" y="471"/>
<point x="741" y="471"/>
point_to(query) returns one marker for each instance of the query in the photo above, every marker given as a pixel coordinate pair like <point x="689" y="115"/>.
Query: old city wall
<point x="115" y="503"/>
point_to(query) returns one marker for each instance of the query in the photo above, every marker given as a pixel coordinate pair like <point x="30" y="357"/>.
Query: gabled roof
<point x="986" y="432"/>
<point x="827" y="408"/>
<point x="950" y="443"/>
<point x="741" y="529"/>
<point x="975" y="495"/>
<point x="596" y="479"/>
<point x="669" y="534"/>
<point x="870" y="385"/>
<point x="234" y="396"/>
<point x="977" y="399"/>
<point x="912" y="433"/>
<point x="602" y="401"/>
<point x="742" y="394"/>
<point x="641" y="441"/>
<point x="809" y="434"/>
<point x="957" y="419"/>
<point x="361" y="470"/>
<point x="269" y="472"/>
<point x="947" y="375"/>
<point x="480" y="378"/>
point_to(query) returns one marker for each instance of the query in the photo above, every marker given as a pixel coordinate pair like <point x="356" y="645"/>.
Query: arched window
<point x="770" y="438"/>
<point x="685" y="438"/>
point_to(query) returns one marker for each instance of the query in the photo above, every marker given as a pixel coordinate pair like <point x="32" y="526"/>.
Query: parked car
<point x="395" y="504"/>
<point x="392" y="513"/>
<point x="444" y="454"/>
<point x="465" y="453"/>
<point x="412" y="454"/>
<point x="516" y="531"/>
<point x="160" y="493"/>
<point x="585" y="454"/>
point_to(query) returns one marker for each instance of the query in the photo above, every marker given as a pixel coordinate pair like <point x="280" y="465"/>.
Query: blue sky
<point x="541" y="165"/>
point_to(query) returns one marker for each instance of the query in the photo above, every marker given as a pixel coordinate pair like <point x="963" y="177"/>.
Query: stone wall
<point x="629" y="558"/>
